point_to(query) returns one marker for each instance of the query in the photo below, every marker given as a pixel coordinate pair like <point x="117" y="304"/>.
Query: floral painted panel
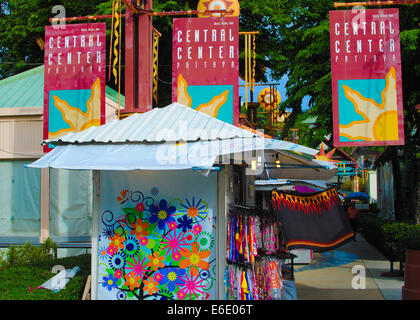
<point x="157" y="248"/>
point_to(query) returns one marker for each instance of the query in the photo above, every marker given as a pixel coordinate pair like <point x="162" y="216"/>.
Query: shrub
<point x="29" y="254"/>
<point x="412" y="238"/>
<point x="395" y="234"/>
<point x="371" y="228"/>
<point x="16" y="280"/>
<point x="390" y="237"/>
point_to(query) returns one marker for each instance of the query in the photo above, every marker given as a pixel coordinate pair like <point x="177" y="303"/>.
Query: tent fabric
<point x="70" y="202"/>
<point x="357" y="195"/>
<point x="178" y="156"/>
<point x="316" y="221"/>
<point x="117" y="157"/>
<point x="174" y="138"/>
<point x="20" y="206"/>
<point x="304" y="189"/>
<point x="274" y="182"/>
<point x="172" y="123"/>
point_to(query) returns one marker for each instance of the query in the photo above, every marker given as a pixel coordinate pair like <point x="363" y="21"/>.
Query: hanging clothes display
<point x="255" y="255"/>
<point x="312" y="221"/>
<point x="242" y="240"/>
<point x="261" y="281"/>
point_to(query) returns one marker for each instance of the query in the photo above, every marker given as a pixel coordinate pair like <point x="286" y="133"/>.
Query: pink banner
<point x="205" y="69"/>
<point x="74" y="78"/>
<point x="366" y="77"/>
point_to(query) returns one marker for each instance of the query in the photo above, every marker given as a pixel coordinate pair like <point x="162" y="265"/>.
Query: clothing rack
<point x="249" y="210"/>
<point x="245" y="265"/>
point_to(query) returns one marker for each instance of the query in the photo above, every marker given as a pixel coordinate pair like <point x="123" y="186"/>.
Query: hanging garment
<point x="315" y="221"/>
<point x="275" y="280"/>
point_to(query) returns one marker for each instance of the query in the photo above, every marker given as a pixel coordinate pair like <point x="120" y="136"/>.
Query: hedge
<point x="390" y="237"/>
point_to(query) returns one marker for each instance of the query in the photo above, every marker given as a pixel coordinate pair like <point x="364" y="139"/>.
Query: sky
<point x="281" y="88"/>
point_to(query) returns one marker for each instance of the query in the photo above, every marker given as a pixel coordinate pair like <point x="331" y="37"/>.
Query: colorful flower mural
<point x="157" y="249"/>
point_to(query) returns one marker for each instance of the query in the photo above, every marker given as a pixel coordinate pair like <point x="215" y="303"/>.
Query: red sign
<point x="74" y="78"/>
<point x="205" y="69"/>
<point x="366" y="77"/>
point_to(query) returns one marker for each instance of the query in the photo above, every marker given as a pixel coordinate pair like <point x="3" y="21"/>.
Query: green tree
<point x="294" y="39"/>
<point x="23" y="21"/>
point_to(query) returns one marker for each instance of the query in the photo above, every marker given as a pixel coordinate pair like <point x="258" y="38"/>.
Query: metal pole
<point x="150" y="13"/>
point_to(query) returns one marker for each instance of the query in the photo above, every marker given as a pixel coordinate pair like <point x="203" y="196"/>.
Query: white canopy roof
<point x="172" y="123"/>
<point x="171" y="138"/>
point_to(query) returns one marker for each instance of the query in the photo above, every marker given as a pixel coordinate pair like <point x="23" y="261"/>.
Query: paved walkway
<point x="331" y="274"/>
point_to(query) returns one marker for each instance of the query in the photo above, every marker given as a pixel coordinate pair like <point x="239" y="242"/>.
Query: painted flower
<point x="204" y="274"/>
<point x="172" y="277"/>
<point x="137" y="267"/>
<point x="197" y="229"/>
<point x="194" y="259"/>
<point x="161" y="214"/>
<point x="118" y="274"/>
<point x="140" y="207"/>
<point x="139" y="229"/>
<point x="205" y="240"/>
<point x="181" y="295"/>
<point x="176" y="256"/>
<point x="154" y="191"/>
<point x="184" y="223"/>
<point x="111" y="250"/>
<point x="117" y="261"/>
<point x="172" y="225"/>
<point x="108" y="232"/>
<point x="132" y="281"/>
<point x="158" y="277"/>
<point x="144" y="241"/>
<point x="192" y="286"/>
<point x="109" y="282"/>
<point x="121" y="295"/>
<point x="189" y="237"/>
<point x="132" y="246"/>
<point x="196" y="211"/>
<point x="103" y="252"/>
<point x="155" y="261"/>
<point x="117" y="241"/>
<point x="173" y="242"/>
<point x="164" y="294"/>
<point x="151" y="286"/>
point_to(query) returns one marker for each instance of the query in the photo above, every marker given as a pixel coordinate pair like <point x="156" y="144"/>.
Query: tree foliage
<point x="294" y="37"/>
<point x="293" y="40"/>
<point x="22" y="21"/>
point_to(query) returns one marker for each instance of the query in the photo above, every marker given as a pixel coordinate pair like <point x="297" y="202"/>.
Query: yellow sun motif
<point x="78" y="120"/>
<point x="268" y="99"/>
<point x="325" y="157"/>
<point x="380" y="121"/>
<point x="218" y="5"/>
<point x="210" y="108"/>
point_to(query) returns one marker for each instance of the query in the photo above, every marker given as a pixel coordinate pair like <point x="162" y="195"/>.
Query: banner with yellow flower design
<point x="155" y="244"/>
<point x="74" y="79"/>
<point x="366" y="77"/>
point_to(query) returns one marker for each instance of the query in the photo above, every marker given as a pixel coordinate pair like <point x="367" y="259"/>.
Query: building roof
<point x="26" y="89"/>
<point x="169" y="124"/>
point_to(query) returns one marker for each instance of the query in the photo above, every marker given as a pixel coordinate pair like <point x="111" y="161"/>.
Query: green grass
<point x="15" y="281"/>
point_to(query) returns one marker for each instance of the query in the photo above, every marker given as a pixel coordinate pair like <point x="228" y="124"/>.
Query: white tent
<point x="177" y="137"/>
<point x="171" y="138"/>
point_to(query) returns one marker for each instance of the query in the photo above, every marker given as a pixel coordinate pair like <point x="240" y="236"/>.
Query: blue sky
<point x="281" y="88"/>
